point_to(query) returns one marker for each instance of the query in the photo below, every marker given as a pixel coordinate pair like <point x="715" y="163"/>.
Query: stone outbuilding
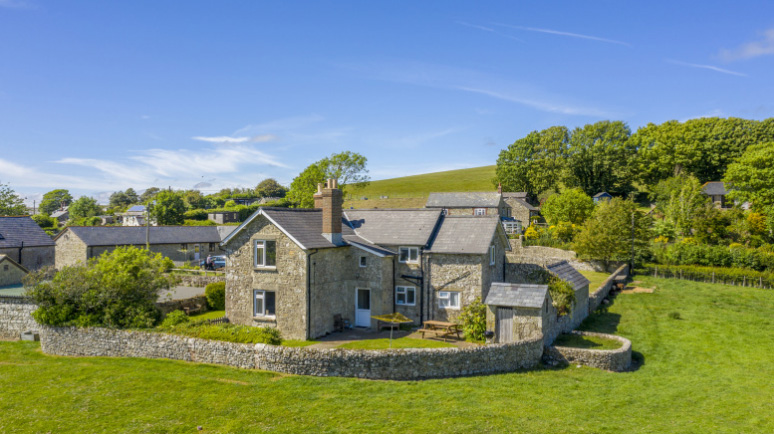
<point x="295" y="269"/>
<point x="579" y="283"/>
<point x="11" y="273"/>
<point x="223" y="217"/>
<point x="519" y="311"/>
<point x="602" y="196"/>
<point x="182" y="244"/>
<point x="22" y="240"/>
<point x="469" y="203"/>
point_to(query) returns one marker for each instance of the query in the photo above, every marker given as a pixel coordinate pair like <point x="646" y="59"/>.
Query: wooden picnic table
<point x="440" y="328"/>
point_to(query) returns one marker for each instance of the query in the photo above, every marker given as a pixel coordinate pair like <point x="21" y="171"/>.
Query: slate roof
<point x="525" y="204"/>
<point x="465" y="234"/>
<point x="464" y="200"/>
<point x="714" y="188"/>
<point x="136" y="208"/>
<point x="22" y="229"/>
<point x="392" y="227"/>
<point x="6" y="258"/>
<point x="515" y="195"/>
<point x="60" y="212"/>
<point x="302" y="225"/>
<point x="602" y="194"/>
<point x="517" y="295"/>
<point x="135" y="235"/>
<point x="566" y="272"/>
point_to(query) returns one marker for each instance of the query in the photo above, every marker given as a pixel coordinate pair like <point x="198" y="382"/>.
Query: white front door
<point x="196" y="252"/>
<point x="363" y="307"/>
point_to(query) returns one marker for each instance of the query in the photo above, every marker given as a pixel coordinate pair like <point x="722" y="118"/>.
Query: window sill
<point x="265" y="318"/>
<point x="264" y="268"/>
<point x="405" y="305"/>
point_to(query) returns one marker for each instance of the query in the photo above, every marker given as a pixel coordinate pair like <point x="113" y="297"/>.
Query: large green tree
<point x="168" y="209"/>
<point x="348" y="167"/>
<point x="571" y="205"/>
<point x="599" y="158"/>
<point x="54" y="200"/>
<point x="609" y="234"/>
<point x="686" y="203"/>
<point x="148" y="194"/>
<point x="700" y="147"/>
<point x="535" y="163"/>
<point x="83" y="207"/>
<point x="269" y="187"/>
<point x="10" y="202"/>
<point x="751" y="177"/>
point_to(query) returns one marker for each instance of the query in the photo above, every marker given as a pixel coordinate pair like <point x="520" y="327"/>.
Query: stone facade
<point x="11" y="273"/>
<point x="406" y="364"/>
<point x="16" y="317"/>
<point x="32" y="258"/>
<point x="520" y="212"/>
<point x="617" y="360"/>
<point x="197" y="280"/>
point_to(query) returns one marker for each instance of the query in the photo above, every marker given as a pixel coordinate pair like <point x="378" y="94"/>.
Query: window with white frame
<point x="492" y="253"/>
<point x="408" y="255"/>
<point x="479" y="211"/>
<point x="449" y="300"/>
<point x="512" y="227"/>
<point x="363" y="261"/>
<point x="264" y="303"/>
<point x="405" y="295"/>
<point x="265" y="254"/>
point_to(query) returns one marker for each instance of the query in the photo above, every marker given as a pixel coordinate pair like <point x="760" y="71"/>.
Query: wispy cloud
<point x="562" y="33"/>
<point x="16" y="4"/>
<point x="489" y="29"/>
<point x="709" y="67"/>
<point x="762" y="47"/>
<point x="466" y="80"/>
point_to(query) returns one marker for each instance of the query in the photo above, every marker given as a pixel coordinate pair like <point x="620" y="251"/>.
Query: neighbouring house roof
<point x="136" y="208"/>
<point x="135" y="235"/>
<point x="268" y="199"/>
<point x="515" y="195"/>
<point x="60" y="213"/>
<point x="22" y="230"/>
<point x="524" y="203"/>
<point x="517" y="295"/>
<point x="566" y="272"/>
<point x="714" y="188"/>
<point x="464" y="200"/>
<point x="225" y="231"/>
<point x="602" y="194"/>
<point x="5" y="258"/>
<point x="393" y="227"/>
<point x="466" y="234"/>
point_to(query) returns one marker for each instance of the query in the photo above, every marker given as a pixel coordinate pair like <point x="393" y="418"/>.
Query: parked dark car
<point x="218" y="262"/>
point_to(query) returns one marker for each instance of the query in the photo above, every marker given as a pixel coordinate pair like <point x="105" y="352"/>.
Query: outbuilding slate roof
<point x="392" y="227"/>
<point x="566" y="272"/>
<point x="135" y="235"/>
<point x="714" y="188"/>
<point x="517" y="295"/>
<point x="465" y="234"/>
<point x="484" y="199"/>
<point x="22" y="229"/>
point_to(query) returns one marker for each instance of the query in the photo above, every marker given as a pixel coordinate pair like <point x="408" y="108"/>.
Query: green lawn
<point x="297" y="343"/>
<point x="709" y="372"/>
<point x="383" y="344"/>
<point x="590" y="342"/>
<point x="412" y="191"/>
<point x="596" y="278"/>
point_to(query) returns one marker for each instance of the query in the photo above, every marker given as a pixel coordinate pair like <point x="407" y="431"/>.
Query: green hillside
<point x="412" y="191"/>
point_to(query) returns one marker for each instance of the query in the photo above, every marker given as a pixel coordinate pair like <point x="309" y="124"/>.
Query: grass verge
<point x="383" y="344"/>
<point x="596" y="279"/>
<point x="588" y="342"/>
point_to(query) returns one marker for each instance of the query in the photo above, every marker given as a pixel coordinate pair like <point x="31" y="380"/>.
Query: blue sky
<point x="99" y="96"/>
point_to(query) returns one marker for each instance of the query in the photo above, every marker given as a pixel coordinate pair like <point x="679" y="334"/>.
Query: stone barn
<point x="22" y="240"/>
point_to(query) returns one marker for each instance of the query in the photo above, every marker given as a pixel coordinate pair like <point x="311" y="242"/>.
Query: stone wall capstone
<point x="16" y="317"/>
<point x="400" y="364"/>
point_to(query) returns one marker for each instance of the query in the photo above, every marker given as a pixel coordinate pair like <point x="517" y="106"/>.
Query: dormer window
<point x="265" y="253"/>
<point x="408" y="255"/>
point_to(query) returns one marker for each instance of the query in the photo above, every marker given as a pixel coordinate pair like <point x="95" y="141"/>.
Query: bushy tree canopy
<point x="573" y="206"/>
<point x="118" y="289"/>
<point x="600" y="158"/>
<point x="751" y="177"/>
<point x="269" y="187"/>
<point x="168" y="209"/>
<point x="535" y="163"/>
<point x="685" y="204"/>
<point x="84" y="206"/>
<point x="348" y="167"/>
<point x="10" y="202"/>
<point x="54" y="200"/>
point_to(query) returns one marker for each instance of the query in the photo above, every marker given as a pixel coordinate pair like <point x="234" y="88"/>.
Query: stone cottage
<point x="295" y="269"/>
<point x="514" y="210"/>
<point x="519" y="311"/>
<point x="22" y="240"/>
<point x="11" y="273"/>
<point x="182" y="244"/>
<point x="521" y="209"/>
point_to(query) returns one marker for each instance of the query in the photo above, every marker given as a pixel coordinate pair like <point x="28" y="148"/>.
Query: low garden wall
<point x="599" y="294"/>
<point x="611" y="360"/>
<point x="16" y="317"/>
<point x="401" y="364"/>
<point x="193" y="304"/>
<point x="199" y="280"/>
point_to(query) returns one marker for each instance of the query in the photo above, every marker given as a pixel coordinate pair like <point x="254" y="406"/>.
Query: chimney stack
<point x="330" y="199"/>
<point x="499" y="188"/>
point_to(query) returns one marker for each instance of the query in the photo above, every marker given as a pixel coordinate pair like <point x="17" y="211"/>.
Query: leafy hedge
<point x="216" y="295"/>
<point x="224" y="332"/>
<point x="729" y="276"/>
<point x="738" y="256"/>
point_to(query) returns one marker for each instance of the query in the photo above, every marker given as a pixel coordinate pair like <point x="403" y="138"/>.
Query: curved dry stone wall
<point x="16" y="317"/>
<point x="403" y="364"/>
<point x="611" y="360"/>
<point x="599" y="294"/>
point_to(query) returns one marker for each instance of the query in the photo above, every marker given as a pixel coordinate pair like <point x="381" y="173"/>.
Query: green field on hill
<point x="703" y="354"/>
<point x="412" y="191"/>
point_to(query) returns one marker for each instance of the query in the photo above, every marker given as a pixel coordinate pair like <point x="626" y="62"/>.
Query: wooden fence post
<point x="713" y="277"/>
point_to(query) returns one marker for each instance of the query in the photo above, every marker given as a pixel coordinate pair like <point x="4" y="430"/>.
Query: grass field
<point x="412" y="191"/>
<point x="596" y="279"/>
<point x="590" y="342"/>
<point x="383" y="344"/>
<point x="709" y="372"/>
